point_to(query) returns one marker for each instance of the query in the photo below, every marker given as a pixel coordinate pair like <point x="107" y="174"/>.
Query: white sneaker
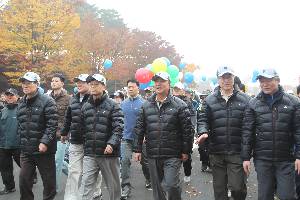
<point x="187" y="179"/>
<point x="229" y="193"/>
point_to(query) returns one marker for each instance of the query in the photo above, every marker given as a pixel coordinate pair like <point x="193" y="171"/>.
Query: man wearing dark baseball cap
<point x="271" y="135"/>
<point x="10" y="140"/>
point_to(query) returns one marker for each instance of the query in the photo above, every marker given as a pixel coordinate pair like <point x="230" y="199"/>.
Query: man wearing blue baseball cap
<point x="271" y="135"/>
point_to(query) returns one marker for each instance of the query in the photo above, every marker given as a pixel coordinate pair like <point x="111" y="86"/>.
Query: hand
<point x="246" y="166"/>
<point x="108" y="149"/>
<point x="184" y="156"/>
<point x="137" y="156"/>
<point x="63" y="139"/>
<point x="42" y="148"/>
<point x="201" y="138"/>
<point x="297" y="166"/>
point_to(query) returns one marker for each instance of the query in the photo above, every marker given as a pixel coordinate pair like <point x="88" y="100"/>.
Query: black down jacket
<point x="223" y="121"/>
<point x="72" y="122"/>
<point x="168" y="131"/>
<point x="272" y="131"/>
<point x="37" y="121"/>
<point x="103" y="124"/>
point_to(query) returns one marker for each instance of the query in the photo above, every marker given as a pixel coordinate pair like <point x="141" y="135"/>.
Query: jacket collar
<point x="275" y="97"/>
<point x="97" y="102"/>
<point x="152" y="98"/>
<point x="217" y="92"/>
<point x="32" y="99"/>
<point x="61" y="94"/>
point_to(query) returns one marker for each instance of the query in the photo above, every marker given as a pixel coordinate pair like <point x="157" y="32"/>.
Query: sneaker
<point x="204" y="167"/>
<point x="187" y="179"/>
<point x="125" y="192"/>
<point x="6" y="191"/>
<point x="97" y="196"/>
<point x="148" y="185"/>
<point x="229" y="193"/>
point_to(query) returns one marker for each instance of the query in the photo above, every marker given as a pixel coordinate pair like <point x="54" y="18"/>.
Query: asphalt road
<point x="200" y="186"/>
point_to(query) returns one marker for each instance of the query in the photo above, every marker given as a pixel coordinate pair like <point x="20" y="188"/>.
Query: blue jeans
<point x="126" y="155"/>
<point x="59" y="161"/>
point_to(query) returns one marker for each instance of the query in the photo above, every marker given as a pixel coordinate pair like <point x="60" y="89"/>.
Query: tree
<point x="38" y="30"/>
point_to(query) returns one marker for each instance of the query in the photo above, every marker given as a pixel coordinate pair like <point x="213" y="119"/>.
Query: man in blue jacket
<point x="130" y="107"/>
<point x="9" y="140"/>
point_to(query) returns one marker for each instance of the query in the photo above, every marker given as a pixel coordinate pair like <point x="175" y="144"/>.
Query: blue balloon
<point x="167" y="61"/>
<point x="254" y="76"/>
<point x="188" y="77"/>
<point x="203" y="78"/>
<point x="182" y="65"/>
<point x="107" y="64"/>
<point x="144" y="85"/>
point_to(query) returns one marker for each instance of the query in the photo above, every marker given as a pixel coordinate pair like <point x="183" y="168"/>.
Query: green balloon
<point x="174" y="81"/>
<point x="151" y="83"/>
<point x="173" y="71"/>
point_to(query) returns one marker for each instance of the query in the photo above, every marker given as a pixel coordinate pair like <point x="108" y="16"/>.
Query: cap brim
<point x="221" y="74"/>
<point x="8" y="93"/>
<point x="22" y="79"/>
<point x="78" y="79"/>
<point x="155" y="78"/>
<point x="265" y="76"/>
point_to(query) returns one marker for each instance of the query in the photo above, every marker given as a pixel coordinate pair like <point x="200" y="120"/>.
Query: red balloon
<point x="143" y="75"/>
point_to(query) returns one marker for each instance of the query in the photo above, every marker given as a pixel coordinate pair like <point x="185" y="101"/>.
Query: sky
<point x="244" y="35"/>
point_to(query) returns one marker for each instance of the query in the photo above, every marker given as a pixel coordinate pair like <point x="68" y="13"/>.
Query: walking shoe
<point x="6" y="191"/>
<point x="148" y="184"/>
<point x="204" y="167"/>
<point x="229" y="193"/>
<point x="97" y="196"/>
<point x="125" y="192"/>
<point x="187" y="179"/>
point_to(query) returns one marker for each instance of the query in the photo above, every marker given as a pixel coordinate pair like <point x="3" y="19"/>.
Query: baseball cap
<point x="179" y="85"/>
<point x="267" y="73"/>
<point x="11" y="91"/>
<point x="224" y="70"/>
<point x="96" y="77"/>
<point x="81" y="77"/>
<point x="163" y="75"/>
<point x="148" y="89"/>
<point x="30" y="76"/>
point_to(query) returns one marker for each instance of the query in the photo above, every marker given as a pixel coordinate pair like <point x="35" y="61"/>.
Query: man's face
<point x="96" y="88"/>
<point x="178" y="92"/>
<point x="161" y="86"/>
<point x="82" y="87"/>
<point x="133" y="89"/>
<point x="11" y="98"/>
<point x="268" y="85"/>
<point x="56" y="83"/>
<point x="226" y="82"/>
<point x="29" y="87"/>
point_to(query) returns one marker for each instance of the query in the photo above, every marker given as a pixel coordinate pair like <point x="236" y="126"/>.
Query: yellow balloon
<point x="159" y="65"/>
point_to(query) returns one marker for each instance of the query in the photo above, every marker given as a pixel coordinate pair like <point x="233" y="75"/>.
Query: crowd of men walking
<point x="102" y="133"/>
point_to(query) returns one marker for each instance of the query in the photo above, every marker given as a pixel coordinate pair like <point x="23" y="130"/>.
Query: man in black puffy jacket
<point x="271" y="134"/>
<point x="103" y="123"/>
<point x="165" y="122"/>
<point x="37" y="126"/>
<point x="220" y="119"/>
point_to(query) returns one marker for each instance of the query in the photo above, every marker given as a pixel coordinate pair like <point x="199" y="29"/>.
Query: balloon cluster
<point x="163" y="64"/>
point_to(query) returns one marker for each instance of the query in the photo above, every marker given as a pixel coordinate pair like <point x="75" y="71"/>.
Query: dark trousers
<point x="165" y="178"/>
<point x="227" y="171"/>
<point x="7" y="167"/>
<point x="187" y="166"/>
<point x="144" y="163"/>
<point x="46" y="166"/>
<point x="281" y="174"/>
<point x="203" y="152"/>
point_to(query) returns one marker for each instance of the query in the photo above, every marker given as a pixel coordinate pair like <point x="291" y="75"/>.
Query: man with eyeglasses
<point x="102" y="125"/>
<point x="271" y="135"/>
<point x="220" y="120"/>
<point x="37" y="126"/>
